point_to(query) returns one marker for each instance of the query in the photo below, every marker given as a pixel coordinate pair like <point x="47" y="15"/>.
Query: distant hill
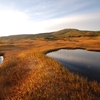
<point x="65" y="33"/>
<point x="23" y="36"/>
<point x="76" y="33"/>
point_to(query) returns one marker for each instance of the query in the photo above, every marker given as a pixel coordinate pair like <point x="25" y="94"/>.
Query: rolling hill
<point x="65" y="33"/>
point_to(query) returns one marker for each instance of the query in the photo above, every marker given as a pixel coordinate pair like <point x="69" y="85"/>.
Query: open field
<point x="28" y="74"/>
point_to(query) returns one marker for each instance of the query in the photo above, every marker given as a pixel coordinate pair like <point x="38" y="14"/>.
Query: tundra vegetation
<point x="28" y="74"/>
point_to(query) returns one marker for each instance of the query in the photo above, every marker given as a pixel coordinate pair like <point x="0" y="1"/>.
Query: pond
<point x="85" y="63"/>
<point x="1" y="59"/>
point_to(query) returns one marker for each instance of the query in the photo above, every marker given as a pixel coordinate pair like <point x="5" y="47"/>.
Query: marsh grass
<point x="28" y="74"/>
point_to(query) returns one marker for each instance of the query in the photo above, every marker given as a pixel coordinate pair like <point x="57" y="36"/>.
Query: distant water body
<point x="1" y="59"/>
<point x="85" y="63"/>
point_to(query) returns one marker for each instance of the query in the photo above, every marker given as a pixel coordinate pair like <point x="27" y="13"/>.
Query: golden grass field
<point x="28" y="74"/>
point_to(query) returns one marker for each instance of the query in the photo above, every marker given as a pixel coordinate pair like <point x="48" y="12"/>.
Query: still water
<point x="1" y="59"/>
<point x="85" y="63"/>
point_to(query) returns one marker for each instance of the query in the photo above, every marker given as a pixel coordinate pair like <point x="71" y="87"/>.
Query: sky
<point x="40" y="16"/>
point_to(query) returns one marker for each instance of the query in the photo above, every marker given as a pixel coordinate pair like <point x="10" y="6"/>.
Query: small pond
<point x="85" y="63"/>
<point x="1" y="59"/>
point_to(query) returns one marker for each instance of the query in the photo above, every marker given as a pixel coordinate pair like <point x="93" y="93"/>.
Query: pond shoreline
<point x="69" y="48"/>
<point x="1" y="58"/>
<point x="81" y="65"/>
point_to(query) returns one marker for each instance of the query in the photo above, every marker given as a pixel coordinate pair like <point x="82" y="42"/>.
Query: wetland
<point x="85" y="63"/>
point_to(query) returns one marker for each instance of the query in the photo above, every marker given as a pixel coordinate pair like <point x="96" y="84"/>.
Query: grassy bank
<point x="32" y="76"/>
<point x="28" y="74"/>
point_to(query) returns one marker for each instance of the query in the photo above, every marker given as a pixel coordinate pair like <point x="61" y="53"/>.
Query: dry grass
<point x="27" y="74"/>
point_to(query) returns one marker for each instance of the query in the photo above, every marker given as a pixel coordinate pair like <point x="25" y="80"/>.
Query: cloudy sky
<point x="36" y="16"/>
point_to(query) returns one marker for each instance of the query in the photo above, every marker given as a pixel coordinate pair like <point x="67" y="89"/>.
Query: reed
<point x="28" y="74"/>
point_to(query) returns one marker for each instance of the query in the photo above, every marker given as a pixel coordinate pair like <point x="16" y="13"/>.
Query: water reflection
<point x="86" y="63"/>
<point x="1" y="59"/>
